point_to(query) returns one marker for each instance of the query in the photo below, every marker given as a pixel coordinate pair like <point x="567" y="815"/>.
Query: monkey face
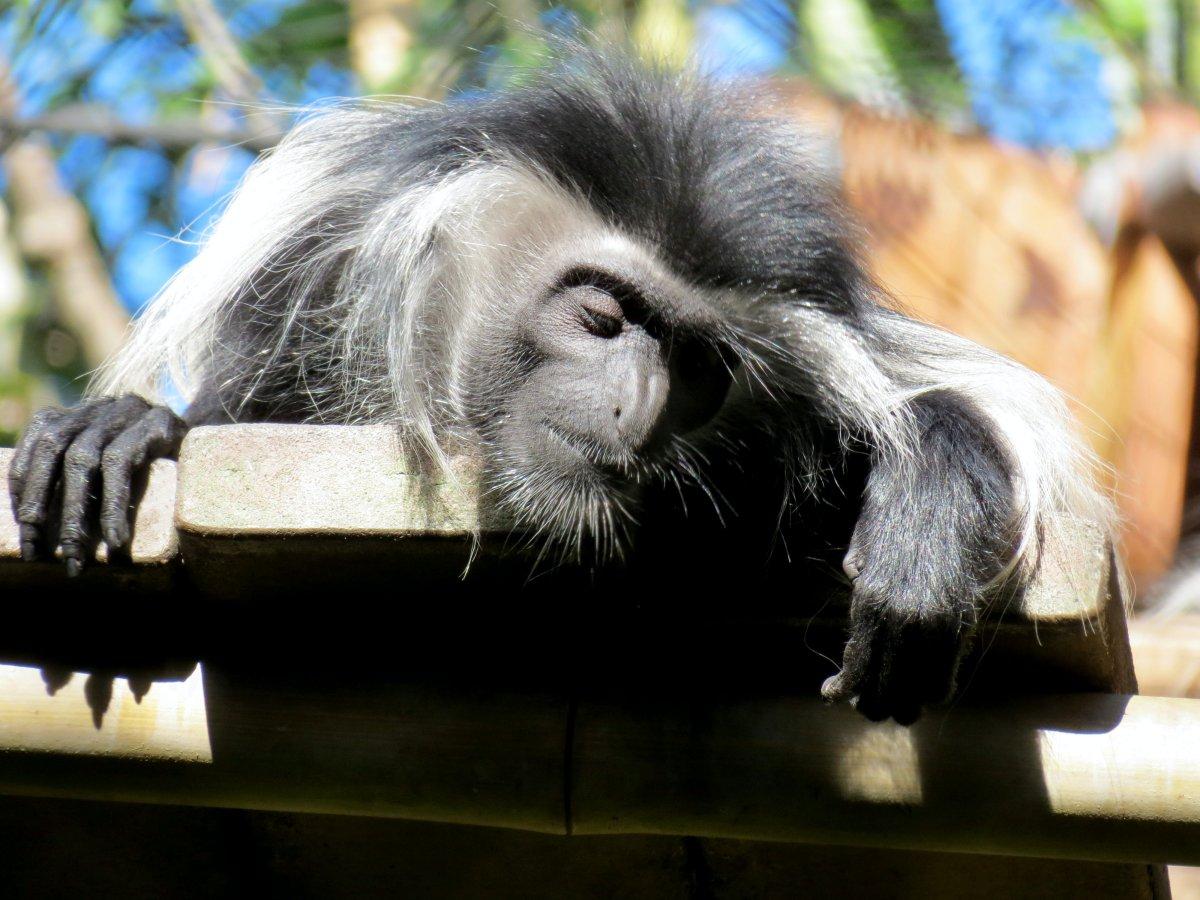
<point x="616" y="379"/>
<point x="620" y="371"/>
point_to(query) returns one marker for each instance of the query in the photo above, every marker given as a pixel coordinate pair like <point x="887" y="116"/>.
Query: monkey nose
<point x="638" y="408"/>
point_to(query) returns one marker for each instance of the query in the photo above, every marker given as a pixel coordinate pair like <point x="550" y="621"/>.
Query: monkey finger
<point x="839" y="688"/>
<point x="853" y="561"/>
<point x="922" y="668"/>
<point x="901" y="688"/>
<point x="157" y="433"/>
<point x="17" y="473"/>
<point x="42" y="475"/>
<point x="909" y="660"/>
<point x="874" y="700"/>
<point x="81" y="466"/>
<point x="18" y="467"/>
<point x="940" y="659"/>
<point x="856" y="662"/>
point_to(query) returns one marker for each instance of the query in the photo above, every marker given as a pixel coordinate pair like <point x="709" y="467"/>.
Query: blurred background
<point x="1028" y="172"/>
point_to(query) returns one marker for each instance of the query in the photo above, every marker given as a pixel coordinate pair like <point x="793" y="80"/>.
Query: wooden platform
<point x="292" y="635"/>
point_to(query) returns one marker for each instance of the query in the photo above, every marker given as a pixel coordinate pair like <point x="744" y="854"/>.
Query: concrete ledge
<point x="265" y="506"/>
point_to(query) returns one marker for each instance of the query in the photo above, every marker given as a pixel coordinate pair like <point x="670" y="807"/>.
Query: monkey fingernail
<point x="29" y="542"/>
<point x="116" y="535"/>
<point x="832" y="690"/>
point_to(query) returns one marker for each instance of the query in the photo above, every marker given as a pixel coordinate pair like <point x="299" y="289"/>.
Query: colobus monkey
<point x="613" y="286"/>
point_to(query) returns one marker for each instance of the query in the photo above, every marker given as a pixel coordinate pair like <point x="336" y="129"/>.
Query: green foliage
<point x="912" y="35"/>
<point x="306" y="34"/>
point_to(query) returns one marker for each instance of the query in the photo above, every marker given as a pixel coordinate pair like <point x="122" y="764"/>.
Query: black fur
<point x="927" y="543"/>
<point x="731" y="210"/>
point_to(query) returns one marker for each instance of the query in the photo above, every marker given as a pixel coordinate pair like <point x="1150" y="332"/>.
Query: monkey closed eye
<point x="601" y="315"/>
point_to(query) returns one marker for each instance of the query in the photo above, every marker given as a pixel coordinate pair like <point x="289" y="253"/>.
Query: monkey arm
<point x="933" y="536"/>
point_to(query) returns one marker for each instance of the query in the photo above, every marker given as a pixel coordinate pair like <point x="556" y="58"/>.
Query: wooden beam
<point x="255" y="515"/>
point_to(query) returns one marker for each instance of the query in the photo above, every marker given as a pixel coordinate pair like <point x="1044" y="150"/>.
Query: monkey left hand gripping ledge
<point x="348" y="668"/>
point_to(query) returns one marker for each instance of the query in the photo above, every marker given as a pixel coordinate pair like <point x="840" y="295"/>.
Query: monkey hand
<point x="93" y="452"/>
<point x="904" y="645"/>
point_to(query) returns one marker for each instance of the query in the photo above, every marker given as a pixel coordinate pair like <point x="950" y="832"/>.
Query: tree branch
<point x="208" y="30"/>
<point x="52" y="228"/>
<point x="220" y="50"/>
<point x="256" y="133"/>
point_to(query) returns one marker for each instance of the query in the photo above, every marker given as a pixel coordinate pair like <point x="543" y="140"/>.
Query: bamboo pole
<point x="1166" y="652"/>
<point x="51" y="227"/>
<point x="1087" y="776"/>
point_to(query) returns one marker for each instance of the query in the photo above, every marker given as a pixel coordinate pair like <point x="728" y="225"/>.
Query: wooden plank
<point x="64" y="848"/>
<point x="275" y="519"/>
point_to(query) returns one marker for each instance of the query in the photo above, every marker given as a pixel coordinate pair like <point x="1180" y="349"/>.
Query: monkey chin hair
<point x="580" y="517"/>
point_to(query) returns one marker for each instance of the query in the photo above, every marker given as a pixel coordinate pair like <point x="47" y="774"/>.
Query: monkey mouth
<point x="612" y="462"/>
<point x="574" y="503"/>
<point x="565" y="437"/>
